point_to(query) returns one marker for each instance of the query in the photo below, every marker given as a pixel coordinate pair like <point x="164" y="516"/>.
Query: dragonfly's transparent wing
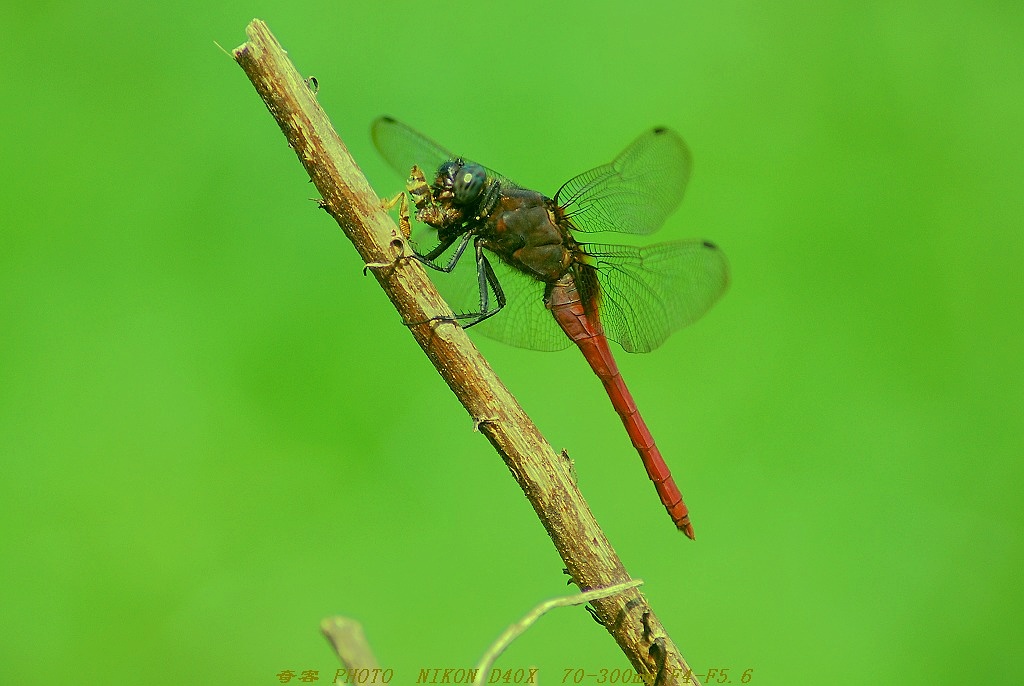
<point x="402" y="147"/>
<point x="636" y="192"/>
<point x="524" y="321"/>
<point x="649" y="292"/>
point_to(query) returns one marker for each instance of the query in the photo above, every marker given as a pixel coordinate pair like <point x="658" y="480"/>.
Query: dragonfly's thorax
<point x="524" y="230"/>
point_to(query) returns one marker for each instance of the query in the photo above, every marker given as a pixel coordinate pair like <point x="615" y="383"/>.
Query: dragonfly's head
<point x="461" y="181"/>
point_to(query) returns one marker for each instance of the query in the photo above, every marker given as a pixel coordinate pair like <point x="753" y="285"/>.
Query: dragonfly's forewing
<point x="402" y="147"/>
<point x="636" y="192"/>
<point x="649" y="292"/>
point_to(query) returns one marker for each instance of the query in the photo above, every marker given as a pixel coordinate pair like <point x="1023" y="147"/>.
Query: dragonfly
<point x="539" y="286"/>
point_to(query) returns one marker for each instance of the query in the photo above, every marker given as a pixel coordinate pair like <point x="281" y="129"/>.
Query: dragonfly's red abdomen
<point x="580" y="322"/>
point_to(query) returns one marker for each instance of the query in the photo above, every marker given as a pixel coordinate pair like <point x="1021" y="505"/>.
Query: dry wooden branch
<point x="543" y="474"/>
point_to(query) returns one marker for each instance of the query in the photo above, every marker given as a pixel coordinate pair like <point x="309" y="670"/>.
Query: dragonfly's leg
<point x="428" y="260"/>
<point x="492" y="283"/>
<point x="488" y="283"/>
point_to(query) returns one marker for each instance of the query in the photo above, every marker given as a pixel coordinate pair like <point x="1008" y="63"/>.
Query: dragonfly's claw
<point x="433" y="320"/>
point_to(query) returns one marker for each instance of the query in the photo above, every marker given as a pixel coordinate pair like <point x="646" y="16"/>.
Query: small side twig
<point x="517" y="629"/>
<point x="543" y="476"/>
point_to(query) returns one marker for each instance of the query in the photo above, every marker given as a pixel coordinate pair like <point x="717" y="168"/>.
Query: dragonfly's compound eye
<point x="469" y="181"/>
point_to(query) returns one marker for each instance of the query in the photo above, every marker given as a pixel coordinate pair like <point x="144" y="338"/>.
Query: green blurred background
<point x="215" y="432"/>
